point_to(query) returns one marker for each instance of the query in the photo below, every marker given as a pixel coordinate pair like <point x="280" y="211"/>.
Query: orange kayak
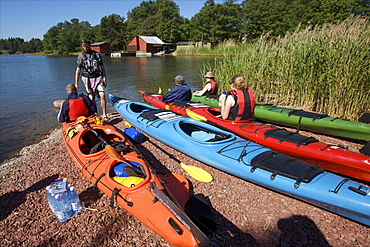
<point x="157" y="201"/>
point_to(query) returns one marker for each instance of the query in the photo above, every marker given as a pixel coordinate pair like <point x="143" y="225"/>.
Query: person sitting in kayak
<point x="76" y="105"/>
<point x="180" y="92"/>
<point x="238" y="104"/>
<point x="210" y="86"/>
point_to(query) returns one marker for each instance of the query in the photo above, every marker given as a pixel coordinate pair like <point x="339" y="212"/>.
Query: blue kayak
<point x="250" y="161"/>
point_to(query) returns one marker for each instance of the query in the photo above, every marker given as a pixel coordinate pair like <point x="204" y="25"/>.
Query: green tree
<point x="280" y="16"/>
<point x="141" y="20"/>
<point x="65" y="37"/>
<point x="168" y="14"/>
<point x="35" y="45"/>
<point x="112" y="29"/>
<point x="155" y="18"/>
<point x="216" y="22"/>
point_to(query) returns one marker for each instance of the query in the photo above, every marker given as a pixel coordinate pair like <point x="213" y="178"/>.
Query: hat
<point x="209" y="74"/>
<point x="180" y="79"/>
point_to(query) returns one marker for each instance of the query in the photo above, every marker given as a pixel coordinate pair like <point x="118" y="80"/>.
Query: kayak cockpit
<point x="202" y="134"/>
<point x="138" y="108"/>
<point x="89" y="143"/>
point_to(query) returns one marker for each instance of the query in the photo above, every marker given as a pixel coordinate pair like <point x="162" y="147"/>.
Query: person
<point x="238" y="104"/>
<point x="94" y="77"/>
<point x="180" y="92"/>
<point x="210" y="86"/>
<point x="75" y="105"/>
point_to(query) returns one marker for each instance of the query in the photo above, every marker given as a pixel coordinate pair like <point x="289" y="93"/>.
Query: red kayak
<point x="330" y="157"/>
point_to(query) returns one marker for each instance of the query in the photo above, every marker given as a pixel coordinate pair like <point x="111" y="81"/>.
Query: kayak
<point x="249" y="160"/>
<point x="111" y="162"/>
<point x="300" y="119"/>
<point x="330" y="157"/>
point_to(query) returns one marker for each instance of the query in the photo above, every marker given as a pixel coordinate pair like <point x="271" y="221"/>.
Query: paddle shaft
<point x="164" y="151"/>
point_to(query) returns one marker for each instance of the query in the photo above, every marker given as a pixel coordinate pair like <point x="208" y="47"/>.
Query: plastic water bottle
<point x="50" y="198"/>
<point x="77" y="205"/>
<point x="59" y="208"/>
<point x="67" y="204"/>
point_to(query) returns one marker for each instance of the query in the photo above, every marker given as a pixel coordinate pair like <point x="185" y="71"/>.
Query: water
<point x="30" y="84"/>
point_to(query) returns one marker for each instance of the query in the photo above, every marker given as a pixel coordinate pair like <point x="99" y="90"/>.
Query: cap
<point x="180" y="79"/>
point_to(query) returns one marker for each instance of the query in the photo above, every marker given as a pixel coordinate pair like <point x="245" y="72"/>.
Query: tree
<point x="280" y="16"/>
<point x="168" y="14"/>
<point x="141" y="20"/>
<point x="156" y="18"/>
<point x="112" y="29"/>
<point x="35" y="45"/>
<point x="65" y="37"/>
<point x="216" y="22"/>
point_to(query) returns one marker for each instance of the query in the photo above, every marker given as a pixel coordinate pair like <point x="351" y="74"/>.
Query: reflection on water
<point x="30" y="84"/>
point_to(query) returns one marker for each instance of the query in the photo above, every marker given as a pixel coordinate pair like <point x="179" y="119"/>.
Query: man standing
<point x="93" y="76"/>
<point x="180" y="92"/>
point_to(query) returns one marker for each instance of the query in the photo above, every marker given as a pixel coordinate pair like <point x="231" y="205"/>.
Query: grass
<point x="324" y="69"/>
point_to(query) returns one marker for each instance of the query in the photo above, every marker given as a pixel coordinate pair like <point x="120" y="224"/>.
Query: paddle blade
<point x="112" y="152"/>
<point x="159" y="90"/>
<point x="195" y="116"/>
<point x="197" y="173"/>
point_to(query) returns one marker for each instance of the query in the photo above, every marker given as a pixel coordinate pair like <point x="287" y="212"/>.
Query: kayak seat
<point x="301" y="113"/>
<point x="283" y="165"/>
<point x="288" y="136"/>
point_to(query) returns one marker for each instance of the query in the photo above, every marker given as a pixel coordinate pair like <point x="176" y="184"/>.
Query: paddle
<point x="195" y="172"/>
<point x="111" y="151"/>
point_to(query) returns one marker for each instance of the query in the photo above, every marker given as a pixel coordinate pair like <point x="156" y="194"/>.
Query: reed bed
<point x="324" y="69"/>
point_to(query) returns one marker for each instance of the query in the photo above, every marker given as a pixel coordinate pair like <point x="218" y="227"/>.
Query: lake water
<point x="30" y="84"/>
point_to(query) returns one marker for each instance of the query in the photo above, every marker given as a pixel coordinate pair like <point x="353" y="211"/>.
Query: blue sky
<point x="32" y="19"/>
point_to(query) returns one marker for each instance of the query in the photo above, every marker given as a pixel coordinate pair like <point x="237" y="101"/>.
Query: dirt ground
<point x="246" y="214"/>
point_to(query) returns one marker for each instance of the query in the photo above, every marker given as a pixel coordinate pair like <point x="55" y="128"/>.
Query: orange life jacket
<point x="77" y="108"/>
<point x="244" y="105"/>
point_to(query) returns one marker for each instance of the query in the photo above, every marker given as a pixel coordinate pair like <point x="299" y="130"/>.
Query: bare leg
<point x="103" y="103"/>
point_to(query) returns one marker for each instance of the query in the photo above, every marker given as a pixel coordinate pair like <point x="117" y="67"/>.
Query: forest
<point x="215" y="23"/>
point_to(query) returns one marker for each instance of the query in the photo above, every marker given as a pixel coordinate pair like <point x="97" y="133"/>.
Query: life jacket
<point x="214" y="87"/>
<point x="77" y="108"/>
<point x="90" y="65"/>
<point x="244" y="105"/>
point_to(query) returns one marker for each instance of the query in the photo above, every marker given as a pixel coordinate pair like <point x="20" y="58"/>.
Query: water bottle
<point x="50" y="198"/>
<point x="59" y="208"/>
<point x="77" y="205"/>
<point x="67" y="204"/>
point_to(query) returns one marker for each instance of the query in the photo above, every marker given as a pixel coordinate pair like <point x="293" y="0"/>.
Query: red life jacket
<point x="77" y="108"/>
<point x="214" y="87"/>
<point x="244" y="105"/>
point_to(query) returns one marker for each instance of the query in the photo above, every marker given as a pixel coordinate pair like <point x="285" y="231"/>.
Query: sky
<point x="29" y="19"/>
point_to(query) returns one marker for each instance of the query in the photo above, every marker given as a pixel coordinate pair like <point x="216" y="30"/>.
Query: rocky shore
<point x="246" y="214"/>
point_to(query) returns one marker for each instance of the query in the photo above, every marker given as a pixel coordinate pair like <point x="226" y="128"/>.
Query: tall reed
<point x="324" y="69"/>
